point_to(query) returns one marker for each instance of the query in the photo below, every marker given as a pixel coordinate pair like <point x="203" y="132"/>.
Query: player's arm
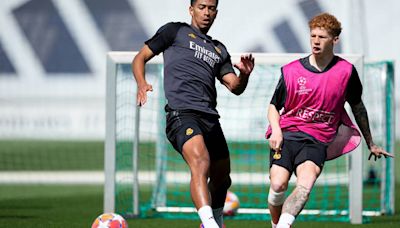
<point x="276" y="104"/>
<point x="353" y="97"/>
<point x="276" y="138"/>
<point x="138" y="69"/>
<point x="237" y="84"/>
<point x="361" y="117"/>
<point x="163" y="38"/>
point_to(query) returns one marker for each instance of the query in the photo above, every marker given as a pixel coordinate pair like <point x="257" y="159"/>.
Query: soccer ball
<point x="110" y="220"/>
<point x="231" y="204"/>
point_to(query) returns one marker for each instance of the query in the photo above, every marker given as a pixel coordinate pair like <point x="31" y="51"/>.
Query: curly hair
<point x="326" y="21"/>
<point x="192" y="2"/>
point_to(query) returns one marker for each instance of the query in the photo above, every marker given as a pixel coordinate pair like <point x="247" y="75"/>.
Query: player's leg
<point x="185" y="134"/>
<point x="307" y="174"/>
<point x="219" y="184"/>
<point x="220" y="168"/>
<point x="279" y="178"/>
<point x="309" y="162"/>
<point x="196" y="156"/>
<point x="281" y="168"/>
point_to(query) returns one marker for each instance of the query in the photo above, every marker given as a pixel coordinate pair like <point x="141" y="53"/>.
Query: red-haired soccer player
<point x="192" y="63"/>
<point x="311" y="93"/>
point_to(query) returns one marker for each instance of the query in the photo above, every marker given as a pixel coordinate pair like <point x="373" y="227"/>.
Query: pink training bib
<point x="315" y="105"/>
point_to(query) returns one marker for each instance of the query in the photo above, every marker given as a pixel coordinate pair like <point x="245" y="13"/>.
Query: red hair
<point x="326" y="21"/>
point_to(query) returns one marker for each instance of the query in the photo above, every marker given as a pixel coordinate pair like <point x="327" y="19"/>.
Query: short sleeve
<point x="226" y="67"/>
<point x="163" y="38"/>
<point x="354" y="88"/>
<point x="226" y="62"/>
<point x="279" y="97"/>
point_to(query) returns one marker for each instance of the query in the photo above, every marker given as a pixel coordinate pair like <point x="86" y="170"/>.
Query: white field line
<point x="145" y="177"/>
<point x="266" y="211"/>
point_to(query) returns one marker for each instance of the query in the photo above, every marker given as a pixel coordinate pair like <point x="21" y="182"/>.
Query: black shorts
<point x="183" y="125"/>
<point x="294" y="153"/>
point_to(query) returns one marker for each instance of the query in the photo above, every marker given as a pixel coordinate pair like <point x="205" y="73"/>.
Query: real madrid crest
<point x="218" y="50"/>
<point x="192" y="35"/>
<point x="277" y="156"/>
<point x="189" y="131"/>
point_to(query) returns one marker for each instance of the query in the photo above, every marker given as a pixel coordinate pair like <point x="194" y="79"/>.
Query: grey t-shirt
<point x="192" y="61"/>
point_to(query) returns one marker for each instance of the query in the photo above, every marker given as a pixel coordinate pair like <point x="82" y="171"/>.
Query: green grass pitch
<point x="58" y="206"/>
<point x="78" y="205"/>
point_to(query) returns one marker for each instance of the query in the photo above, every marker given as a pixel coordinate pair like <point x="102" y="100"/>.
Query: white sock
<point x="219" y="216"/>
<point x="273" y="224"/>
<point x="285" y="221"/>
<point x="207" y="218"/>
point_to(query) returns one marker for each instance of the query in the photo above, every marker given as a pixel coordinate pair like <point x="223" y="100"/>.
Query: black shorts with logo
<point x="294" y="153"/>
<point x="183" y="125"/>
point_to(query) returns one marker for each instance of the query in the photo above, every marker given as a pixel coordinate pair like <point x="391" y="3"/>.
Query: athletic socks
<point x="285" y="221"/>
<point x="219" y="216"/>
<point x="273" y="225"/>
<point x="207" y="218"/>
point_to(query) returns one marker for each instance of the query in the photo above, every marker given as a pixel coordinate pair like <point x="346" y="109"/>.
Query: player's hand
<point x="275" y="141"/>
<point x="141" y="96"/>
<point x="246" y="64"/>
<point x="377" y="152"/>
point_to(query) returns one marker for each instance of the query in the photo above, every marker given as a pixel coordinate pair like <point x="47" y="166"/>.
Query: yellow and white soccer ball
<point x="231" y="204"/>
<point x="110" y="220"/>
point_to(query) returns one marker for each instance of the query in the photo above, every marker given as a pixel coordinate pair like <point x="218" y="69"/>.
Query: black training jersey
<point x="354" y="87"/>
<point x="192" y="61"/>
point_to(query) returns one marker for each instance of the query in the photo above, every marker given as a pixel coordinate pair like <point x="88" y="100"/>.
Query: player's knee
<point x="199" y="166"/>
<point x="223" y="183"/>
<point x="227" y="182"/>
<point x="278" y="186"/>
<point x="276" y="198"/>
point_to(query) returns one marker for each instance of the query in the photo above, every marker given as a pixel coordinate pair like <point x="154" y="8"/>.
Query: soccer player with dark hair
<point x="308" y="122"/>
<point x="192" y="62"/>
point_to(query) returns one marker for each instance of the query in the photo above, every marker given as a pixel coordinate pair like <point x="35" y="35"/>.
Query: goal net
<point x="145" y="177"/>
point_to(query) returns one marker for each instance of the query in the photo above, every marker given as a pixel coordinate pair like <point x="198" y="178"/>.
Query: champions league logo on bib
<point x="302" y="86"/>
<point x="301" y="81"/>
